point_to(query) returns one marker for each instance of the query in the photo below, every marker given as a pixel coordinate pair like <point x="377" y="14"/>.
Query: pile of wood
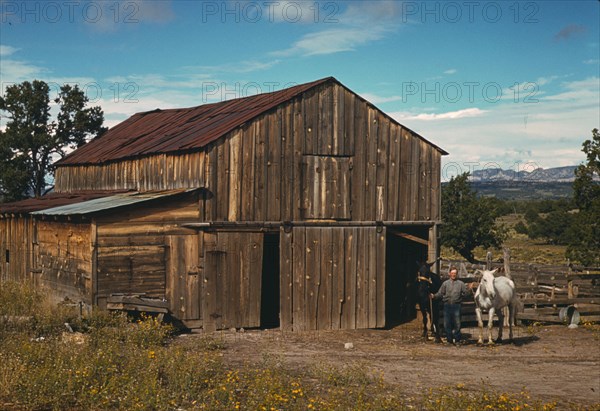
<point x="545" y="290"/>
<point x="137" y="303"/>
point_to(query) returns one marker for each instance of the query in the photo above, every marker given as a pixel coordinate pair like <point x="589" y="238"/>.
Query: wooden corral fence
<point x="547" y="291"/>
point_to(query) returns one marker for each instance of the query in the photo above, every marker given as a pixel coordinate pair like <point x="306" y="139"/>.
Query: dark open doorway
<point x="269" y="303"/>
<point x="402" y="255"/>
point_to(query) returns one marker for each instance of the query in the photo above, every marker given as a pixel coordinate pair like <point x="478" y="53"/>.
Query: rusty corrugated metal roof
<point x="54" y="200"/>
<point x="185" y="129"/>
<point x="164" y="131"/>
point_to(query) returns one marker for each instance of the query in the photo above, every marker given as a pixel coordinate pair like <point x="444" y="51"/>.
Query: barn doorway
<point x="402" y="255"/>
<point x="269" y="302"/>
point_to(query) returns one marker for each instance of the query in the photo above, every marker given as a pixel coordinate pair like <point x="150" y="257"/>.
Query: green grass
<point x="111" y="363"/>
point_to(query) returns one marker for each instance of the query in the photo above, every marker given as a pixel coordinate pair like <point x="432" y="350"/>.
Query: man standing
<point x="452" y="293"/>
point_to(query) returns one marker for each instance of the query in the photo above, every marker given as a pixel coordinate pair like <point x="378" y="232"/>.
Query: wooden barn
<point x="304" y="209"/>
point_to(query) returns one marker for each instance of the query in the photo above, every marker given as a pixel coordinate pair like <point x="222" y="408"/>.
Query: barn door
<point x="182" y="276"/>
<point x="231" y="283"/>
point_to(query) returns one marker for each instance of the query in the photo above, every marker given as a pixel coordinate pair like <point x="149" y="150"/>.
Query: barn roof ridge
<point x="179" y="109"/>
<point x="161" y="131"/>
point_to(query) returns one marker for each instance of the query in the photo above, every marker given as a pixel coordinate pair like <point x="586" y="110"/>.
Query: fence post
<point x="488" y="261"/>
<point x="506" y="251"/>
<point x="507" y="263"/>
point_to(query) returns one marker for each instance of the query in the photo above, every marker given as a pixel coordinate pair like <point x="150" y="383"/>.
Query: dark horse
<point x="428" y="282"/>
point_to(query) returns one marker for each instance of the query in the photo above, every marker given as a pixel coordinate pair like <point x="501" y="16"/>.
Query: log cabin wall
<point x="325" y="154"/>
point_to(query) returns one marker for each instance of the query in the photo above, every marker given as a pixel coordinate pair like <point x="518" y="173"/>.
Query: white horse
<point x="493" y="294"/>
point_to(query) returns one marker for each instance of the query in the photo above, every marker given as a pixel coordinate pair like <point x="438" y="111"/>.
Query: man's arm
<point x="440" y="292"/>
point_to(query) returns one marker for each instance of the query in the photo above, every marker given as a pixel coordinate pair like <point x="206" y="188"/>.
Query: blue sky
<point x="510" y="84"/>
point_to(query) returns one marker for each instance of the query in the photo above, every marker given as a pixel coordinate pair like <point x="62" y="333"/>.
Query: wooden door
<point x="182" y="274"/>
<point x="231" y="280"/>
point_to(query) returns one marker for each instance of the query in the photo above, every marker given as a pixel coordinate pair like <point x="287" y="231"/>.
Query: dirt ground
<point x="551" y="362"/>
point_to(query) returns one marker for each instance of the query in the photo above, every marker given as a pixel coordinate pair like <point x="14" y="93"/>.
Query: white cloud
<point x="238" y="67"/>
<point x="376" y="99"/>
<point x="450" y="71"/>
<point x="588" y="89"/>
<point x="451" y="115"/>
<point x="16" y="71"/>
<point x="7" y="50"/>
<point x="592" y="61"/>
<point x="331" y="41"/>
<point x="548" y="133"/>
<point x="361" y="23"/>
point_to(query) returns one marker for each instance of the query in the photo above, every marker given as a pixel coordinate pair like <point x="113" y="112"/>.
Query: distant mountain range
<point x="540" y="175"/>
<point x="539" y="184"/>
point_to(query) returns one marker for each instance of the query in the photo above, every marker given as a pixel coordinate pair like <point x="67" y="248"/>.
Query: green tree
<point x="469" y="221"/>
<point x="554" y="227"/>
<point x="521" y="228"/>
<point x="32" y="140"/>
<point x="584" y="241"/>
<point x="13" y="173"/>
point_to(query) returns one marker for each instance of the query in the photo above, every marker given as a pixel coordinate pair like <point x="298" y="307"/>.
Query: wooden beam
<point x="305" y="223"/>
<point x="412" y="238"/>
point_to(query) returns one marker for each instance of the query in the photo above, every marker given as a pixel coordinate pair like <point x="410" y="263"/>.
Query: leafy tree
<point x="32" y="140"/>
<point x="554" y="227"/>
<point x="521" y="228"/>
<point x="469" y="221"/>
<point x="531" y="215"/>
<point x="584" y="241"/>
<point x="13" y="173"/>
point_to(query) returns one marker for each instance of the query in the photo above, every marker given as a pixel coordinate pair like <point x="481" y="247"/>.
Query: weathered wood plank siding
<point x="373" y="168"/>
<point x="17" y="245"/>
<point x="231" y="280"/>
<point x="144" y="250"/>
<point x="338" y="278"/>
<point x="182" y="276"/>
<point x="65" y="260"/>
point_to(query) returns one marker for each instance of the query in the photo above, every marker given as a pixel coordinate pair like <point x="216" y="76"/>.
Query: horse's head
<point x="486" y="285"/>
<point x="424" y="269"/>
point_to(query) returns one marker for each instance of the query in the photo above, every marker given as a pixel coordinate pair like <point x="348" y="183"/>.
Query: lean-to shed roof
<point x="54" y="200"/>
<point x="84" y="202"/>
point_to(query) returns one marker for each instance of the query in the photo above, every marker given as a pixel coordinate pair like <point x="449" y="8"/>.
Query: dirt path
<point x="551" y="362"/>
